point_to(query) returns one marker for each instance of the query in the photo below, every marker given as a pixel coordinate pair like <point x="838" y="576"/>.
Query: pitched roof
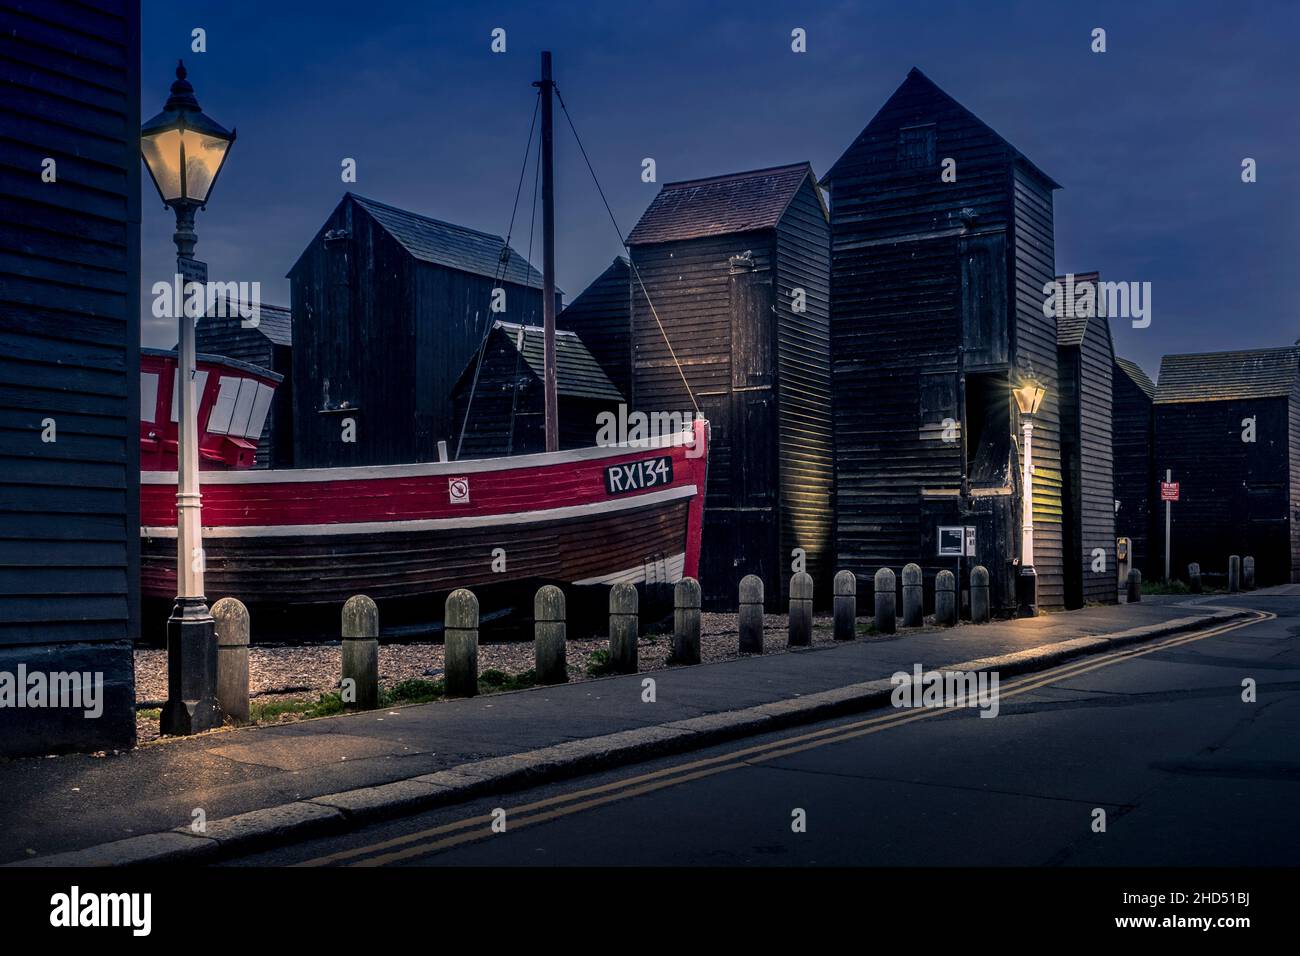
<point x="577" y="373"/>
<point x="446" y="244"/>
<point x="918" y="81"/>
<point x="1071" y="319"/>
<point x="1224" y="376"/>
<point x="274" y="321"/>
<point x="1139" y="377"/>
<point x="720" y="205"/>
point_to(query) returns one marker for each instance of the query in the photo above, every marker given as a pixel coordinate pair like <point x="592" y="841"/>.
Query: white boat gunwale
<point x="424" y="468"/>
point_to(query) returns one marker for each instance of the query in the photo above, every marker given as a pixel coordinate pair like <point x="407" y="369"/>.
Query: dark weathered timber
<point x="1133" y="442"/>
<point x="601" y="316"/>
<point x="507" y="417"/>
<point x="720" y="259"/>
<point x="937" y="304"/>
<point x="1085" y="359"/>
<point x="69" y="351"/>
<point x="269" y="345"/>
<point x="388" y="307"/>
<point x="1234" y="496"/>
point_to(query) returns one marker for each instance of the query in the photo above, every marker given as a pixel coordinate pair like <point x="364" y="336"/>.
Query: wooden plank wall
<point x="1293" y="480"/>
<point x="1034" y="257"/>
<point x="911" y="258"/>
<point x="695" y="292"/>
<point x="806" y="452"/>
<point x="376" y="327"/>
<point x="1234" y="495"/>
<point x="1088" y="466"/>
<point x="600" y="317"/>
<point x="69" y="352"/>
<point x="1133" y="442"/>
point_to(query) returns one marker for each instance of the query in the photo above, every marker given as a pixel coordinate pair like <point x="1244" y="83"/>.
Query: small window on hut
<point x="988" y="422"/>
<point x="916" y="146"/>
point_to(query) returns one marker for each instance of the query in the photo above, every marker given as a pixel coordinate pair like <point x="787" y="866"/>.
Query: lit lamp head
<point x="1029" y="396"/>
<point x="184" y="148"/>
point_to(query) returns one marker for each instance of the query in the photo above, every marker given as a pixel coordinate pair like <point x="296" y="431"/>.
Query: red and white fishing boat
<point x="289" y="538"/>
<point x="317" y="536"/>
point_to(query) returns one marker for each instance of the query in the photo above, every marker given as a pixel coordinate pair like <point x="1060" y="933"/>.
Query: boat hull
<point x="319" y="536"/>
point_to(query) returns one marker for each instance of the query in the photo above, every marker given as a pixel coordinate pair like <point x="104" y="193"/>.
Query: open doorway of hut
<point x="987" y="422"/>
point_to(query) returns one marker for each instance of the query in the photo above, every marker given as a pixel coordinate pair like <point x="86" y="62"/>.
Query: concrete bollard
<point x="1248" y="573"/>
<point x="945" y="599"/>
<point x="1194" y="577"/>
<point x="912" y="596"/>
<point x="231" y="620"/>
<point x="751" y="614"/>
<point x="550" y="660"/>
<point x="1134" y="594"/>
<point x="460" y="649"/>
<point x="886" y="614"/>
<point x="979" y="594"/>
<point x="1234" y="574"/>
<point x="624" y="628"/>
<point x="801" y="609"/>
<point x="361" y="650"/>
<point x="686" y="622"/>
<point x="846" y="606"/>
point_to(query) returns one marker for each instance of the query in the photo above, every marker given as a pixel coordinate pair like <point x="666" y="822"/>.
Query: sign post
<point x="1168" y="494"/>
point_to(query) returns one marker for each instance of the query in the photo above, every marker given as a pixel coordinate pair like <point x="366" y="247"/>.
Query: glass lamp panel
<point x="162" y="154"/>
<point x="203" y="158"/>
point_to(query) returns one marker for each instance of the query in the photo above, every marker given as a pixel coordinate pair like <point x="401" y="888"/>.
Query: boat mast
<point x="548" y="255"/>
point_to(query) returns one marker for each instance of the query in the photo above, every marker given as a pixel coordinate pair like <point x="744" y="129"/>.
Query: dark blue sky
<point x="1146" y="139"/>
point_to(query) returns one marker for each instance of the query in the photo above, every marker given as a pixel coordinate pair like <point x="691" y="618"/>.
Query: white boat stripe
<point x="673" y="567"/>
<point x="419" y="469"/>
<point x="626" y="503"/>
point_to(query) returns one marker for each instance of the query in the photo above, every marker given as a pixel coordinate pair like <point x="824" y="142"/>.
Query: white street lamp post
<point x="184" y="151"/>
<point x="1029" y="396"/>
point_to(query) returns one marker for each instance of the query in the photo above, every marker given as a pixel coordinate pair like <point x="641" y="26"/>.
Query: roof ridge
<point x="364" y="200"/>
<point x="1259" y="351"/>
<point x="731" y="177"/>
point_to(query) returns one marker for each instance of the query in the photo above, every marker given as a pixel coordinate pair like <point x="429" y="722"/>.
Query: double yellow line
<point x="473" y="829"/>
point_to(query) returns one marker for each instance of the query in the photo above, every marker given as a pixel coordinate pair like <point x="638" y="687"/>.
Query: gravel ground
<point x="306" y="671"/>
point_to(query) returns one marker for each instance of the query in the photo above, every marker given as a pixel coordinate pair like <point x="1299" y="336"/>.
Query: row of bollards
<point x="1241" y="577"/>
<point x="360" y="629"/>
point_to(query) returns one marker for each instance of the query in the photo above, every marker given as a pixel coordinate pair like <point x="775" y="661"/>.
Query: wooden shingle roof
<point x="1071" y="317"/>
<point x="1225" y="376"/>
<point x="720" y="205"/>
<point x="450" y="245"/>
<point x="577" y="373"/>
<point x="1138" y="377"/>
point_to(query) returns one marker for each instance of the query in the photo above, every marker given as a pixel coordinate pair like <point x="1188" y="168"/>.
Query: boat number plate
<point x="636" y="475"/>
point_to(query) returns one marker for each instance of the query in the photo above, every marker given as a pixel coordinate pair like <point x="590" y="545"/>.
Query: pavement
<point x="1157" y="737"/>
<point x="206" y="797"/>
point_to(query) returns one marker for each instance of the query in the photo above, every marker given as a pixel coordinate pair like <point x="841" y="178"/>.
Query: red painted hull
<point x="319" y="536"/>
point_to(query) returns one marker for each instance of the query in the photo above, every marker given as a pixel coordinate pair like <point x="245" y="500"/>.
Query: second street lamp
<point x="1029" y="396"/>
<point x="184" y="151"/>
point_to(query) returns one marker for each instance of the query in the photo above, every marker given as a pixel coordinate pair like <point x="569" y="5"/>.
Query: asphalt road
<point x="1158" y="737"/>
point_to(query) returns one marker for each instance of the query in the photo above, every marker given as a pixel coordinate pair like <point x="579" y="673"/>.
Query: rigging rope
<point x="519" y="342"/>
<point x="635" y="271"/>
<point x="502" y="263"/>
